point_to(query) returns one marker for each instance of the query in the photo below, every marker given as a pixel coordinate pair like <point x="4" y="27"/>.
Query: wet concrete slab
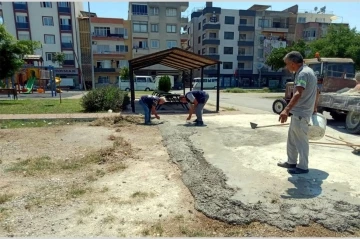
<point x="231" y="169"/>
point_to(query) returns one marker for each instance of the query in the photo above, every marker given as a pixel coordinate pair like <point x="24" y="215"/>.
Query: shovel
<point x="255" y="126"/>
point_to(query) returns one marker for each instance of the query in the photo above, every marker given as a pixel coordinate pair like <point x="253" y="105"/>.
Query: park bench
<point x="9" y="91"/>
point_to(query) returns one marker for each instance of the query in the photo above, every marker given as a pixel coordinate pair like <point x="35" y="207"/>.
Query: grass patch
<point x="40" y="106"/>
<point x="241" y="90"/>
<point x="117" y="121"/>
<point x="14" y="124"/>
<point x="141" y="195"/>
<point x="4" y="198"/>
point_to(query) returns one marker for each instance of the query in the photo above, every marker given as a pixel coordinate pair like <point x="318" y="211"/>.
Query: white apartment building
<point x="156" y="26"/>
<point x="53" y="24"/>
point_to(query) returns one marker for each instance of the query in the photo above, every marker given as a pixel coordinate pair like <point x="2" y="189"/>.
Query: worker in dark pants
<point x="149" y="104"/>
<point x="197" y="99"/>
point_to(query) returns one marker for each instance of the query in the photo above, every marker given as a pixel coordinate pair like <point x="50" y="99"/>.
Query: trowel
<point x="255" y="126"/>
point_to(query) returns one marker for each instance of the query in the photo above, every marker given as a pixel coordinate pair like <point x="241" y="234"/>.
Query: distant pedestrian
<point x="301" y="106"/>
<point x="197" y="99"/>
<point x="149" y="104"/>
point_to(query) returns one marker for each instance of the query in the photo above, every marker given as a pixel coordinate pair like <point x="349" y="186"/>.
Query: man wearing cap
<point x="149" y="104"/>
<point x="301" y="106"/>
<point x="197" y="99"/>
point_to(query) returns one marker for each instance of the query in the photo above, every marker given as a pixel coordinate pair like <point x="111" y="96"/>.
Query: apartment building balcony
<point x="245" y="71"/>
<point x="211" y="41"/>
<point x="246" y="42"/>
<point x="246" y="27"/>
<point x="214" y="56"/>
<point x="247" y="13"/>
<point x="22" y="25"/>
<point x="184" y="19"/>
<point x="65" y="27"/>
<point x="245" y="57"/>
<point x="212" y="10"/>
<point x="211" y="26"/>
<point x="69" y="63"/>
<point x="310" y="38"/>
<point x="105" y="70"/>
<point x="211" y="70"/>
<point x="64" y="10"/>
<point x="20" y="6"/>
<point x="276" y="27"/>
<point x="109" y="36"/>
<point x="66" y="45"/>
<point x="108" y="54"/>
<point x="140" y="51"/>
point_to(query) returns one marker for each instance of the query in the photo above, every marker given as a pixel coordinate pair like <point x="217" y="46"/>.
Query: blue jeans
<point x="146" y="111"/>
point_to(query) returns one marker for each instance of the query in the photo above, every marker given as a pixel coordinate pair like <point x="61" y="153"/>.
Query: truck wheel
<point x="352" y="122"/>
<point x="278" y="106"/>
<point x="147" y="89"/>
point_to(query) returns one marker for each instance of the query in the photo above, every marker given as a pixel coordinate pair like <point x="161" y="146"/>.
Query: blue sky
<point x="349" y="11"/>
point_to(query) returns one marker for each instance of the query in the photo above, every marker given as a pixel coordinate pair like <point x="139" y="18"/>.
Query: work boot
<point x="199" y="123"/>
<point x="286" y="165"/>
<point x="298" y="171"/>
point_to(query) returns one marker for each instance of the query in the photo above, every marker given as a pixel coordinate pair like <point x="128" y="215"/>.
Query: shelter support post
<point x="183" y="81"/>
<point x="132" y="88"/>
<point x="191" y="79"/>
<point x="202" y="78"/>
<point x="218" y="88"/>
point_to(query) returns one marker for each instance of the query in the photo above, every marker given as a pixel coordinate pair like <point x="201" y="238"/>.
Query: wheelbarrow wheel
<point x="278" y="106"/>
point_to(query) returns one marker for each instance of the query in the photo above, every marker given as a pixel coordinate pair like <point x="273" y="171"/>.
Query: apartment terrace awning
<point x="175" y="58"/>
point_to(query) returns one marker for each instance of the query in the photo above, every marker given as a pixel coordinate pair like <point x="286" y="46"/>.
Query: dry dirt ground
<point x="112" y="177"/>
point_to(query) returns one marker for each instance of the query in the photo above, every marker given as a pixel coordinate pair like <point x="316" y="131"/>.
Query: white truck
<point x="145" y="83"/>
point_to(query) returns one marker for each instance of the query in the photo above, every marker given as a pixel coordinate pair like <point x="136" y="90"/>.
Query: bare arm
<point x="316" y="101"/>
<point x="153" y="111"/>
<point x="294" y="99"/>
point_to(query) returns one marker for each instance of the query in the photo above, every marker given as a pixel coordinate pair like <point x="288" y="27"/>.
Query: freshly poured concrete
<point x="231" y="171"/>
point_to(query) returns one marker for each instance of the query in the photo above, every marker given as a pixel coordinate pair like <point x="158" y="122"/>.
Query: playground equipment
<point x="35" y="74"/>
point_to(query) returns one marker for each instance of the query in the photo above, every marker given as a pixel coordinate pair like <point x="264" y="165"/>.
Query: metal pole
<point x="202" y="78"/>
<point x="183" y="81"/>
<point x="132" y="87"/>
<point x="218" y="88"/>
<point x="91" y="53"/>
<point x="191" y="79"/>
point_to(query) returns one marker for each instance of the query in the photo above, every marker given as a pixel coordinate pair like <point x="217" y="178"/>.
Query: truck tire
<point x="278" y="106"/>
<point x="352" y="122"/>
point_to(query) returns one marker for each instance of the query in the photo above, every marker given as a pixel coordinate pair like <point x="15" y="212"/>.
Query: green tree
<point x="275" y="58"/>
<point x="124" y="73"/>
<point x="12" y="52"/>
<point x="340" y="41"/>
<point x="58" y="57"/>
<point x="164" y="84"/>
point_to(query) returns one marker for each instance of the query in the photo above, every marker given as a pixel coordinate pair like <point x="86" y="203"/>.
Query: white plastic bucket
<point x="317" y="127"/>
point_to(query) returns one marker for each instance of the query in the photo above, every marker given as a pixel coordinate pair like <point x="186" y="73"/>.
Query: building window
<point x="199" y="40"/>
<point x="302" y="20"/>
<point x="141" y="44"/>
<point x="242" y="37"/>
<point x="66" y="39"/>
<point x="122" y="48"/>
<point x="229" y="35"/>
<point x="212" y="35"/>
<point x="243" y="22"/>
<point x="123" y="63"/>
<point x="199" y="26"/>
<point x="101" y="31"/>
<point x="46" y="4"/>
<point x="228" y="50"/>
<point x="212" y="50"/>
<point x="171" y="28"/>
<point x="103" y="48"/>
<point x="241" y="51"/>
<point x="138" y="9"/>
<point x="121" y="31"/>
<point x="171" y="12"/>
<point x="260" y="53"/>
<point x="203" y="36"/>
<point x="229" y="20"/>
<point x="63" y="4"/>
<point x="21" y="19"/>
<point x="23" y="36"/>
<point x="49" y="39"/>
<point x="171" y="44"/>
<point x="48" y="21"/>
<point x="154" y="11"/>
<point x="203" y="51"/>
<point x="154" y="27"/>
<point x="49" y="55"/>
<point x="241" y="65"/>
<point x="65" y="21"/>
<point x="264" y="23"/>
<point x="103" y="80"/>
<point x="140" y="27"/>
<point x="154" y="43"/>
<point x="227" y="65"/>
<point x="69" y="56"/>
